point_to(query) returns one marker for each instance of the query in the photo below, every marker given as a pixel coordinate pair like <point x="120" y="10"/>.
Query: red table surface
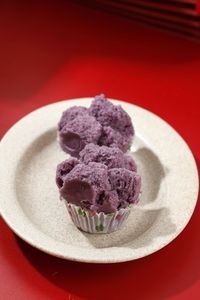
<point x="53" y="50"/>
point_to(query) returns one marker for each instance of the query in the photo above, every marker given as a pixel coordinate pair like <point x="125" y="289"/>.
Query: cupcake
<point x="103" y="123"/>
<point x="99" y="188"/>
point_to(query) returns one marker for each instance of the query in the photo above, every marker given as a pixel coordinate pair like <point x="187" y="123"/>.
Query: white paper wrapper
<point x="97" y="222"/>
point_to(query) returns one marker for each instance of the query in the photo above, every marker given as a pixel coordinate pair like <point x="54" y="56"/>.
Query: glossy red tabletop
<point x="54" y="50"/>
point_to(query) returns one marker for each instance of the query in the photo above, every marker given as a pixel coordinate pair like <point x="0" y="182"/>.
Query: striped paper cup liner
<point x="93" y="222"/>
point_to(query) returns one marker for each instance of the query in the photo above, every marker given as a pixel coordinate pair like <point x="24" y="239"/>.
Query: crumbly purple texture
<point x="84" y="183"/>
<point x="103" y="124"/>
<point x="104" y="179"/>
<point x="78" y="132"/>
<point x="96" y="182"/>
<point x="70" y="114"/>
<point x="111" y="157"/>
<point x="126" y="183"/>
<point x="63" y="169"/>
<point x="117" y="126"/>
<point x="112" y="138"/>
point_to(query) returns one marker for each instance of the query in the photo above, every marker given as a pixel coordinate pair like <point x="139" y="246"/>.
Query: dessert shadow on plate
<point x="138" y="227"/>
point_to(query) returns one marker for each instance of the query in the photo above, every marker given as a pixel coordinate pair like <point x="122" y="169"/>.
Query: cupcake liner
<point x="93" y="222"/>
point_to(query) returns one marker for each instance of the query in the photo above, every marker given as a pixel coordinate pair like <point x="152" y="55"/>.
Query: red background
<point x="54" y="50"/>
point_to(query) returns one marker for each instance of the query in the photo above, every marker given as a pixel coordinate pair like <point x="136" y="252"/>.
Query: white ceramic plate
<point x="29" y="200"/>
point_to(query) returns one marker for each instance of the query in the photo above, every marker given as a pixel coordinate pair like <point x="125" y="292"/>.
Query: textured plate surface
<point x="29" y="200"/>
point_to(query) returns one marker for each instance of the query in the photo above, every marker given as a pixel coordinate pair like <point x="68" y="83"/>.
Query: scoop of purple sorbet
<point x="94" y="187"/>
<point x="111" y="157"/>
<point x="127" y="185"/>
<point x="113" y="138"/>
<point x="117" y="126"/>
<point x="78" y="132"/>
<point x="70" y="114"/>
<point x="84" y="183"/>
<point x="107" y="202"/>
<point x="103" y="123"/>
<point x="63" y="169"/>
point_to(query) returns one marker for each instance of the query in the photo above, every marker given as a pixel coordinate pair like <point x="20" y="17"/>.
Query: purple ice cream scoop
<point x="111" y="157"/>
<point x="116" y="123"/>
<point x="63" y="169"/>
<point x="96" y="186"/>
<point x="87" y="186"/>
<point x="70" y="114"/>
<point x="78" y="132"/>
<point x="103" y="124"/>
<point x="127" y="184"/>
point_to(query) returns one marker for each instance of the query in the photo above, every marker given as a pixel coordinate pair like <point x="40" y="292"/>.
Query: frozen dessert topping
<point x="111" y="157"/>
<point x="100" y="181"/>
<point x="70" y="114"/>
<point x="78" y="132"/>
<point x="103" y="123"/>
<point x="102" y="178"/>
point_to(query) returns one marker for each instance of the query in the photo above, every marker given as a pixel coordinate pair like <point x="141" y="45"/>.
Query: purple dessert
<point x="127" y="184"/>
<point x="63" y="169"/>
<point x="84" y="184"/>
<point x="99" y="183"/>
<point x="78" y="132"/>
<point x="70" y="114"/>
<point x="116" y="123"/>
<point x="111" y="157"/>
<point x="103" y="124"/>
